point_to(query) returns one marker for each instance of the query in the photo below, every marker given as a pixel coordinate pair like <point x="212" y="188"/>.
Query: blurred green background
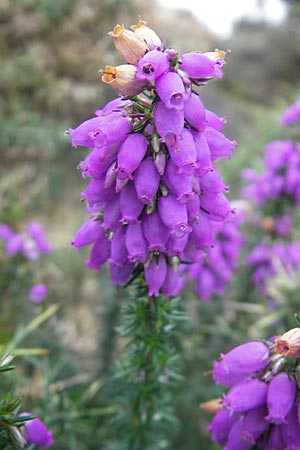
<point x="51" y="51"/>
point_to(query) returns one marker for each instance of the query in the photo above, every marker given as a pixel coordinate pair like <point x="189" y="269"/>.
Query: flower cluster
<point x="30" y="242"/>
<point x="262" y="406"/>
<point x="154" y="191"/>
<point x="214" y="271"/>
<point x="266" y="258"/>
<point x="36" y="432"/>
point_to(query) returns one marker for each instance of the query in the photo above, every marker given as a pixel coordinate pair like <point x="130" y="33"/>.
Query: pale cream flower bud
<point x="131" y="47"/>
<point x="147" y="35"/>
<point x="288" y="345"/>
<point x="122" y="78"/>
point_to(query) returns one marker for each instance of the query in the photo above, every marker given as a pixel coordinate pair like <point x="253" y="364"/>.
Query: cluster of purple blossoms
<point x="265" y="259"/>
<point x="214" y="271"/>
<point x="261" y="410"/>
<point x="36" y="432"/>
<point x="154" y="192"/>
<point x="31" y="242"/>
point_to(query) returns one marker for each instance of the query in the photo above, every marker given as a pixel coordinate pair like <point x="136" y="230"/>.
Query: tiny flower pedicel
<point x="154" y="192"/>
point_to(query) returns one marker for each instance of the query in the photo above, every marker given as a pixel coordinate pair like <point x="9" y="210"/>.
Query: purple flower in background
<point x="37" y="293"/>
<point x="37" y="433"/>
<point x="291" y="114"/>
<point x="153" y="193"/>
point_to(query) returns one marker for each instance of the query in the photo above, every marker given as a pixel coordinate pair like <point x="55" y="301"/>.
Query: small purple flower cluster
<point x="30" y="242"/>
<point x="264" y="259"/>
<point x="36" y="432"/>
<point x="215" y="270"/>
<point x="281" y="178"/>
<point x="291" y="114"/>
<point x="261" y="409"/>
<point x="154" y="192"/>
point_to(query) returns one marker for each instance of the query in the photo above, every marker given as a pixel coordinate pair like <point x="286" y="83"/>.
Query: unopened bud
<point x="122" y="78"/>
<point x="128" y="43"/>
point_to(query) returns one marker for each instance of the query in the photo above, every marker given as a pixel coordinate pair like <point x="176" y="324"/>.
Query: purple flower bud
<point x="131" y="153"/>
<point x="291" y="114"/>
<point x="155" y="274"/>
<point x="176" y="245"/>
<point x="204" y="163"/>
<point x="279" y="404"/>
<point x="197" y="65"/>
<point x="245" y="395"/>
<point x="275" y="441"/>
<point x="171" y="91"/>
<point x="194" y="112"/>
<point x="118" y="250"/>
<point x="100" y="252"/>
<point x="201" y="233"/>
<point x="94" y="166"/>
<point x="160" y="162"/>
<point x="179" y="184"/>
<point x="155" y="232"/>
<point x="131" y="207"/>
<point x="112" y="214"/>
<point x="97" y="195"/>
<point x="216" y="207"/>
<point x="168" y="122"/>
<point x="37" y="433"/>
<point x="84" y="134"/>
<point x="291" y="430"/>
<point x="193" y="208"/>
<point x="37" y="293"/>
<point x="214" y="121"/>
<point x="212" y="182"/>
<point x="152" y="65"/>
<point x="120" y="274"/>
<point x="206" y="283"/>
<point x="254" y="423"/>
<point x="14" y="244"/>
<point x="220" y="426"/>
<point x="240" y="362"/>
<point x="5" y="232"/>
<point x="236" y="441"/>
<point x="110" y="176"/>
<point x="171" y="285"/>
<point x="184" y="153"/>
<point x="89" y="232"/>
<point x="174" y="215"/>
<point x="37" y="233"/>
<point x="113" y="106"/>
<point x="147" y="181"/>
<point x="135" y="242"/>
<point x="220" y="146"/>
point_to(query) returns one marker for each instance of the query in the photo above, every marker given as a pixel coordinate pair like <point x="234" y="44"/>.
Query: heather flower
<point x="261" y="408"/>
<point x="291" y="114"/>
<point x="153" y="193"/>
<point x="37" y="433"/>
<point x="37" y="293"/>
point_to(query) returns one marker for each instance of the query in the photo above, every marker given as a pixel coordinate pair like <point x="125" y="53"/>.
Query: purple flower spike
<point x="174" y="215"/>
<point x="155" y="274"/>
<point x="155" y="232"/>
<point x="147" y="181"/>
<point x="184" y="153"/>
<point x="220" y="426"/>
<point x="88" y="233"/>
<point x="245" y="395"/>
<point x="37" y="433"/>
<point x="220" y="146"/>
<point x="120" y="274"/>
<point x="236" y="441"/>
<point x="197" y="65"/>
<point x="131" y="207"/>
<point x="152" y="65"/>
<point x="194" y="111"/>
<point x="240" y="362"/>
<point x="100" y="253"/>
<point x="131" y="153"/>
<point x="281" y="397"/>
<point x="169" y="123"/>
<point x="254" y="423"/>
<point x="37" y="293"/>
<point x="291" y="430"/>
<point x="135" y="242"/>
<point x="171" y="91"/>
